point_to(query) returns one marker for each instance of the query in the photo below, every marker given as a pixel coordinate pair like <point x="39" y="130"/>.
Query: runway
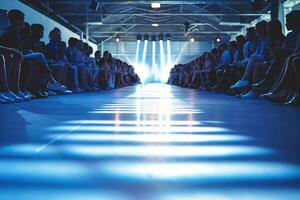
<point x="151" y="141"/>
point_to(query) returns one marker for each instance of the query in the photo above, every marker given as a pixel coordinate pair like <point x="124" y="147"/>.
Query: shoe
<point x="13" y="96"/>
<point x="237" y="92"/>
<point x="295" y="100"/>
<point x="56" y="87"/>
<point x="265" y="84"/>
<point x="96" y="88"/>
<point x="290" y="97"/>
<point x="77" y="90"/>
<point x="87" y="89"/>
<point x="240" y="84"/>
<point x="249" y="94"/>
<point x="68" y="92"/>
<point x="2" y="101"/>
<point x="220" y="88"/>
<point x="40" y="95"/>
<point x="25" y="96"/>
<point x="274" y="97"/>
<point x="51" y="93"/>
<point x="5" y="100"/>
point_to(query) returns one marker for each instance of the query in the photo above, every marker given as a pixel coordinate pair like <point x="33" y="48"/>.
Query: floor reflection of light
<point x="186" y="151"/>
<point x="153" y="95"/>
<point x="134" y="122"/>
<point x="166" y="138"/>
<point x="117" y="119"/>
<point x="105" y="107"/>
<point x="229" y="193"/>
<point x="205" y="172"/>
<point x="172" y="129"/>
<point x="145" y="111"/>
<point x="162" y="108"/>
<point x="58" y="171"/>
<point x="142" y="106"/>
<point x="151" y="150"/>
<point x="68" y="193"/>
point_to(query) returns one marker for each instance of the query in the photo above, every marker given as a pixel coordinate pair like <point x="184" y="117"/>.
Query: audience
<point x="31" y="69"/>
<point x="263" y="64"/>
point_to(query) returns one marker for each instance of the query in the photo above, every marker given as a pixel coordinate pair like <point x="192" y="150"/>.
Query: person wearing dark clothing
<point x="281" y="53"/>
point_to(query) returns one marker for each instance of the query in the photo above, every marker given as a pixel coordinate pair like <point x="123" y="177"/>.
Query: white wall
<point x="33" y="16"/>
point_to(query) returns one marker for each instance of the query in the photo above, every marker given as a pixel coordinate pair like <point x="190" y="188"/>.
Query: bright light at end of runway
<point x="141" y="129"/>
<point x="134" y="122"/>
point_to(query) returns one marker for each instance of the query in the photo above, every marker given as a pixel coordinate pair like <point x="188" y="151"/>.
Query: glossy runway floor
<point x="147" y="142"/>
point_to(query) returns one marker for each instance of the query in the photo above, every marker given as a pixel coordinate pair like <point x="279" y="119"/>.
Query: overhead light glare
<point x="168" y="37"/>
<point x="155" y="5"/>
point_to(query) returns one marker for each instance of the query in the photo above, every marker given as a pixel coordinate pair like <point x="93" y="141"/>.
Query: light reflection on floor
<point x="152" y="143"/>
<point x="154" y="138"/>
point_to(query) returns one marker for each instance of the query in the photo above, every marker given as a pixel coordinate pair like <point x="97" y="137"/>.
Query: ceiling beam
<point x="144" y="24"/>
<point x="103" y="2"/>
<point x="95" y="33"/>
<point x="166" y="14"/>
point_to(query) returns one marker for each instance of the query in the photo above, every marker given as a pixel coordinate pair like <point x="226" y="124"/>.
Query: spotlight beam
<point x="162" y="58"/>
<point x="145" y="52"/>
<point x="137" y="51"/>
<point x="154" y="68"/>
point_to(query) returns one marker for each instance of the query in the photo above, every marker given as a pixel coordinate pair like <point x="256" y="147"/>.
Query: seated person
<point x="248" y="49"/>
<point x="76" y="58"/>
<point x="4" y="96"/>
<point x="230" y="71"/>
<point x="102" y="70"/>
<point x="225" y="60"/>
<point x="295" y="99"/>
<point x="60" y="70"/>
<point x="10" y="42"/>
<point x="91" y="65"/>
<point x="98" y="57"/>
<point x="285" y="90"/>
<point x="72" y="73"/>
<point x="197" y="65"/>
<point x="12" y="38"/>
<point x="208" y="68"/>
<point x="11" y="75"/>
<point x="276" y="39"/>
<point x="281" y="53"/>
<point x="259" y="56"/>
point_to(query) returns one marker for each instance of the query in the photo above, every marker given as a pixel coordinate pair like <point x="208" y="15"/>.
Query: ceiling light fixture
<point x="168" y="36"/>
<point x="139" y="37"/>
<point x="146" y="37"/>
<point x="155" y="5"/>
